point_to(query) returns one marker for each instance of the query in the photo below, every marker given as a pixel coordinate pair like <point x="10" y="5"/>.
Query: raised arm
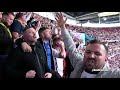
<point x="68" y="41"/>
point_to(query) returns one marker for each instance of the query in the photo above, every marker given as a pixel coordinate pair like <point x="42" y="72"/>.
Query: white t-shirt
<point x="87" y="75"/>
<point x="60" y="66"/>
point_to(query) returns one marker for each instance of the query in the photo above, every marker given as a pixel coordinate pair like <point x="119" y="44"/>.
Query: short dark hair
<point x="57" y="39"/>
<point x="7" y="13"/>
<point x="42" y="29"/>
<point x="54" y="36"/>
<point x="18" y="15"/>
<point x="26" y="27"/>
<point x="95" y="41"/>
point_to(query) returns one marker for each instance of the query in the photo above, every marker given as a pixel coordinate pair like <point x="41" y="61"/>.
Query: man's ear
<point x="106" y="58"/>
<point x="3" y="18"/>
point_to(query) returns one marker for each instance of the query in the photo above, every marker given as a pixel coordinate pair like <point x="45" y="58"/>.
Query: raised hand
<point x="60" y="44"/>
<point x="38" y="26"/>
<point x="60" y="20"/>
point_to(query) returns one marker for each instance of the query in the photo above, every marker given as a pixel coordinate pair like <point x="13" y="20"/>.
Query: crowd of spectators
<point x="109" y="35"/>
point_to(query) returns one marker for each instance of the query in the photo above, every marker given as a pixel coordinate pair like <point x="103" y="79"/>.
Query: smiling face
<point x="95" y="56"/>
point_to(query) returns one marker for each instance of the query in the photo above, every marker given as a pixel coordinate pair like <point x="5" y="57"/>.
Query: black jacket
<point x="40" y="41"/>
<point x="5" y="41"/>
<point x="19" y="62"/>
<point x="52" y="57"/>
<point x="6" y="44"/>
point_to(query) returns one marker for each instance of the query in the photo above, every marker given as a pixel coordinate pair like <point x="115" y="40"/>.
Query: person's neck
<point x="21" y="21"/>
<point x="94" y="72"/>
<point x="91" y="72"/>
<point x="45" y="41"/>
<point x="30" y="43"/>
<point x="5" y="24"/>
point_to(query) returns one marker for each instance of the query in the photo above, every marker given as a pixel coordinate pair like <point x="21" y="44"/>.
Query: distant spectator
<point x="18" y="26"/>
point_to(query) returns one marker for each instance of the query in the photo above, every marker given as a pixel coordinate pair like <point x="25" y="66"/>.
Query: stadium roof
<point x="95" y="17"/>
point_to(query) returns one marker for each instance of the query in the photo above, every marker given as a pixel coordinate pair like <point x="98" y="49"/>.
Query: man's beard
<point x="32" y="42"/>
<point x="90" y="64"/>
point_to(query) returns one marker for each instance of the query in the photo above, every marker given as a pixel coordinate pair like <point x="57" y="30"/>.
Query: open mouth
<point x="90" y="61"/>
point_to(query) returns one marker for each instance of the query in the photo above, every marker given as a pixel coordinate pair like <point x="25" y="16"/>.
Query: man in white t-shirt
<point x="94" y="63"/>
